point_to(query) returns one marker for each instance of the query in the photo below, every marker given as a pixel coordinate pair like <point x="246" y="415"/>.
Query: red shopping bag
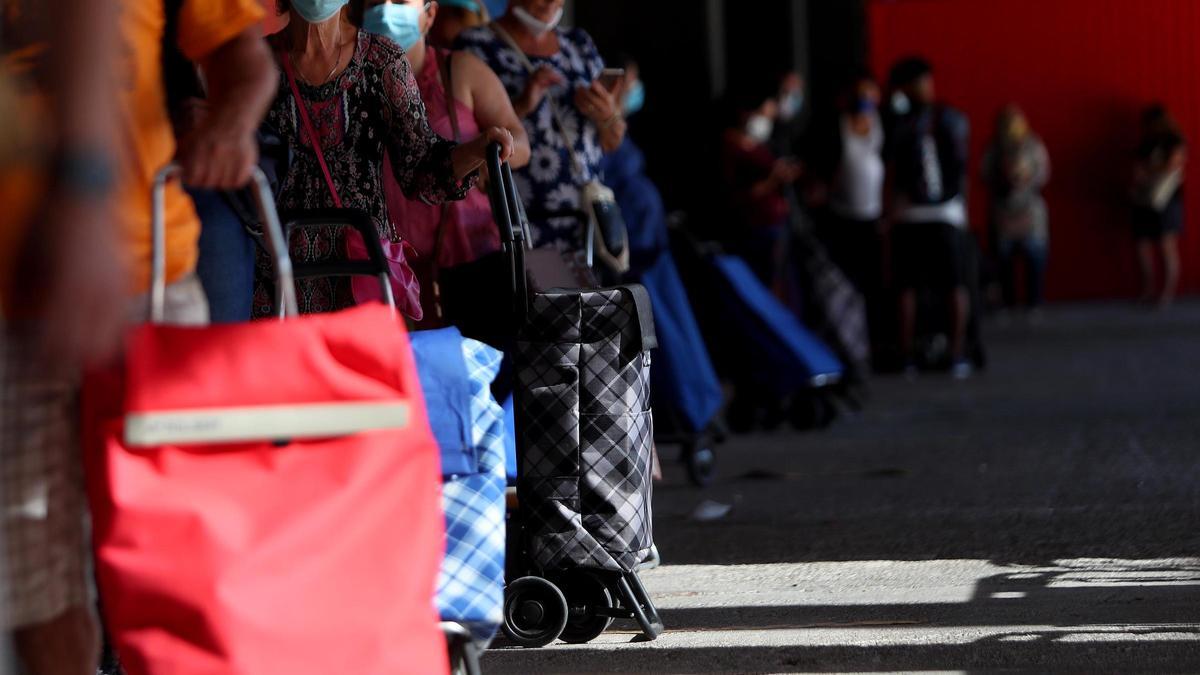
<point x="266" y="497"/>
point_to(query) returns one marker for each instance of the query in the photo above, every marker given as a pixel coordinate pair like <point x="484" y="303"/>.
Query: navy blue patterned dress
<point x="550" y="183"/>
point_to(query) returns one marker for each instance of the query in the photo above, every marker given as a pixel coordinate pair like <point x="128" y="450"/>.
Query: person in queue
<point x="571" y="115"/>
<point x="453" y="17"/>
<point x="358" y="92"/>
<point x="757" y="182"/>
<point x="81" y="272"/>
<point x="1016" y="168"/>
<point x="926" y="153"/>
<point x="1158" y="202"/>
<point x="849" y="164"/>
<point x="462" y="95"/>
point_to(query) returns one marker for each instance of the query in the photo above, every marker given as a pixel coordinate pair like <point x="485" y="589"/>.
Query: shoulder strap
<point x="302" y="110"/>
<point x="447" y="67"/>
<point x="554" y="112"/>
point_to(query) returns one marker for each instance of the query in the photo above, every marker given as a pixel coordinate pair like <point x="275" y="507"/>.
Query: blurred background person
<point x="683" y="381"/>
<point x="849" y="162"/>
<point x="787" y="137"/>
<point x="1158" y="201"/>
<point x="453" y="17"/>
<point x="572" y="118"/>
<point x="926" y="153"/>
<point x="83" y="271"/>
<point x="462" y="95"/>
<point x="759" y="185"/>
<point x="1016" y="168"/>
<point x="358" y="92"/>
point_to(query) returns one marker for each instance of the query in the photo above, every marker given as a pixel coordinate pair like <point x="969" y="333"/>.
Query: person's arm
<point x="221" y="151"/>
<point x="491" y="104"/>
<point x="1041" y="172"/>
<point x="600" y="106"/>
<point x="535" y="90"/>
<point x="427" y="166"/>
<point x="68" y="274"/>
<point x="596" y="102"/>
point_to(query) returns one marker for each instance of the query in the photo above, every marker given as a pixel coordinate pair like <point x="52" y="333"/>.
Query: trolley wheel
<point x="535" y="612"/>
<point x="701" y="464"/>
<point x="589" y="607"/>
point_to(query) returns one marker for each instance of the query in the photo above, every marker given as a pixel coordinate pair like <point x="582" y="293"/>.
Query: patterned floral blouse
<point x="373" y="105"/>
<point x="549" y="183"/>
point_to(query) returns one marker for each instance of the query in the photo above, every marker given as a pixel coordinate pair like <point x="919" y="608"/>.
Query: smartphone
<point x="611" y="77"/>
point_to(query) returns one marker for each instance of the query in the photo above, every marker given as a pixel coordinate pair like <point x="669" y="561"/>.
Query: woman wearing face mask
<point x="848" y="158"/>
<point x="356" y="93"/>
<point x="462" y="95"/>
<point x="757" y="184"/>
<point x="553" y="78"/>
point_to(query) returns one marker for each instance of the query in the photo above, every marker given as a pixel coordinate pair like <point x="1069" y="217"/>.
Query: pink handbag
<point x="405" y="287"/>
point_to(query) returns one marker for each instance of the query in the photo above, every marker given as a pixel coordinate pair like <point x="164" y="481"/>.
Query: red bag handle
<point x="302" y="109"/>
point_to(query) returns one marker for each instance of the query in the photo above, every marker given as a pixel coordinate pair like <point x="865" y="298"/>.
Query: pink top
<point x="470" y="230"/>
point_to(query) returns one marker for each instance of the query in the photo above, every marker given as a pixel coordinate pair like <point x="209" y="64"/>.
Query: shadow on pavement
<point x="1045" y="651"/>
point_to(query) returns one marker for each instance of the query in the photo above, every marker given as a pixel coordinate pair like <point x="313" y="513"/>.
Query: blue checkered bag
<point x="456" y="375"/>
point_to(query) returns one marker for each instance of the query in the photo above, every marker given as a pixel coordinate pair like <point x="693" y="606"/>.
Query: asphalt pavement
<point x="1043" y="516"/>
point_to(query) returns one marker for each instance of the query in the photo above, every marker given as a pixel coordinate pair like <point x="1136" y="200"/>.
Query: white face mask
<point x="536" y="25"/>
<point x="759" y="128"/>
<point x="791" y="105"/>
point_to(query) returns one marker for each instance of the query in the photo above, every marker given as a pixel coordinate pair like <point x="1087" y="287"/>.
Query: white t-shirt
<point x="859" y="193"/>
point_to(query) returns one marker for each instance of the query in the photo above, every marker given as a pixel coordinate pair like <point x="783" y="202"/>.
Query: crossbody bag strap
<point x="445" y="66"/>
<point x="306" y="121"/>
<point x="559" y="124"/>
<point x="447" y="69"/>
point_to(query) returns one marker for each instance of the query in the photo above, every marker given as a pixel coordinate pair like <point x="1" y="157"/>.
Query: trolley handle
<point x="285" y="290"/>
<point x="376" y="265"/>
<point x="509" y="215"/>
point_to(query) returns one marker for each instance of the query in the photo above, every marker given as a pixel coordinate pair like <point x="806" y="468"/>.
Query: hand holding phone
<point x="610" y="78"/>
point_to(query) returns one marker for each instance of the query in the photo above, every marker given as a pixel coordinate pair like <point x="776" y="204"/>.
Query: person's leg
<point x="953" y="279"/>
<point x="960" y="311"/>
<point x="1170" y="254"/>
<point x="906" y="263"/>
<point x="44" y="596"/>
<point x="1145" y="259"/>
<point x="1007" y="258"/>
<point x="908" y="324"/>
<point x="226" y="263"/>
<point x="68" y="644"/>
<point x="1036" y="255"/>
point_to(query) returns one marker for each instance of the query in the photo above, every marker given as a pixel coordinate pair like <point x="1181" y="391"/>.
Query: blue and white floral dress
<point x="550" y="184"/>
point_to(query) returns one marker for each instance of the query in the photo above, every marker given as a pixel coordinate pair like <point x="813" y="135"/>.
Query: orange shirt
<point x="203" y="25"/>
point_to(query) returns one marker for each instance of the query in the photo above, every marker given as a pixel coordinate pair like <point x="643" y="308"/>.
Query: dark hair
<point x="862" y="74"/>
<point x="908" y="70"/>
<point x="1153" y="113"/>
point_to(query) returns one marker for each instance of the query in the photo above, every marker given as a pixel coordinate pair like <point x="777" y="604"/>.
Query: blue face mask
<point x="635" y="98"/>
<point x="400" y="23"/>
<point x="316" y="11"/>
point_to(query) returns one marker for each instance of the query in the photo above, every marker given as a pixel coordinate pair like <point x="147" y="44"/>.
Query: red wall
<point x="1082" y="70"/>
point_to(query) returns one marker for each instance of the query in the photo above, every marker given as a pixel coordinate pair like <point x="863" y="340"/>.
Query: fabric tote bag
<point x="265" y="496"/>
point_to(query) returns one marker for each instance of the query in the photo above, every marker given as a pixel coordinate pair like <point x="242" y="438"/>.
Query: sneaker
<point x="962" y="369"/>
<point x="652" y="561"/>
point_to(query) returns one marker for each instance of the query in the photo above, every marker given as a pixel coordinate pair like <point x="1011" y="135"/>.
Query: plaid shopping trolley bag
<point x="456" y="376"/>
<point x="584" y="448"/>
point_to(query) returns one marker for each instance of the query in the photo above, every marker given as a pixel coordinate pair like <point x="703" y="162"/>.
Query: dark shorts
<point x="1151" y="224"/>
<point x="928" y="256"/>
